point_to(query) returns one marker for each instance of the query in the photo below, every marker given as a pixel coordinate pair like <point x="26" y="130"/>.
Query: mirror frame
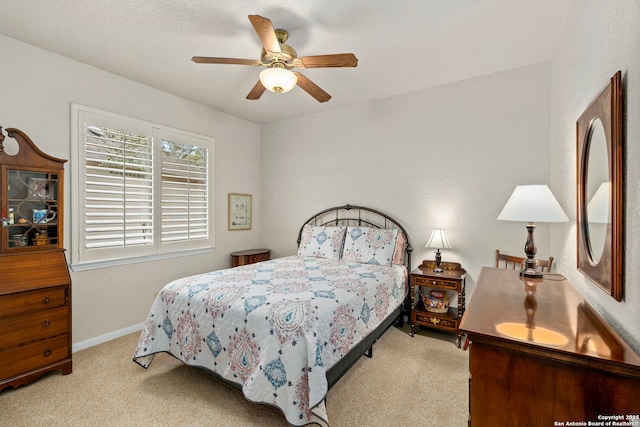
<point x="608" y="272"/>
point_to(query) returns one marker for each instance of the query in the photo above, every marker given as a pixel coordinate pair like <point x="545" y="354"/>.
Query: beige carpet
<point x="409" y="381"/>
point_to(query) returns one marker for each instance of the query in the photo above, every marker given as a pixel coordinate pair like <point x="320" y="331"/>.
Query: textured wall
<point x="446" y="157"/>
<point x="37" y="90"/>
<point x="600" y="38"/>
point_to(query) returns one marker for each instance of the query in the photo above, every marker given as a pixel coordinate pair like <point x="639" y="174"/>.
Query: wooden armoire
<point x="35" y="286"/>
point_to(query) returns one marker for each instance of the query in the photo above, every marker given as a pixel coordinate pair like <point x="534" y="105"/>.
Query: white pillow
<point x="321" y="242"/>
<point x="370" y="245"/>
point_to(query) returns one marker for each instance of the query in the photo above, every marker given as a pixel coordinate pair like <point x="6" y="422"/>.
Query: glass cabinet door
<point x="31" y="210"/>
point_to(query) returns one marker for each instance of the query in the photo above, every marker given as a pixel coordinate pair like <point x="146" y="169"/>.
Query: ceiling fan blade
<point x="212" y="60"/>
<point x="265" y="32"/>
<point x="327" y="61"/>
<point x="311" y="88"/>
<point x="257" y="91"/>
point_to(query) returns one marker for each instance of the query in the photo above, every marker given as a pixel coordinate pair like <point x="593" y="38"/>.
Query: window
<point x="140" y="190"/>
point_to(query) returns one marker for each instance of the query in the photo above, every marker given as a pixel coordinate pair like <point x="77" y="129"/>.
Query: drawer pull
<point x="46" y="300"/>
<point x="46" y="353"/>
<point x="46" y="324"/>
<point x="434" y="320"/>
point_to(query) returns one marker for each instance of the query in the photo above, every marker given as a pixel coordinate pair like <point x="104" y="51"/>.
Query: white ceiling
<point x="402" y="45"/>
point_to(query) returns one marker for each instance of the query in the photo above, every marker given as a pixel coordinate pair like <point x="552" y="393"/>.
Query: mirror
<point x="597" y="187"/>
<point x="600" y="190"/>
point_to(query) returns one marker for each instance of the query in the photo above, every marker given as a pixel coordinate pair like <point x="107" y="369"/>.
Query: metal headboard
<point x="360" y="216"/>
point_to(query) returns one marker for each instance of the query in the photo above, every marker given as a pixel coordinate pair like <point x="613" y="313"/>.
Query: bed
<point x="285" y="330"/>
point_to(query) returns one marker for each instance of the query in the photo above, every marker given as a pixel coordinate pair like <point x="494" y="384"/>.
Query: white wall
<point x="600" y="38"/>
<point x="36" y="91"/>
<point x="445" y="157"/>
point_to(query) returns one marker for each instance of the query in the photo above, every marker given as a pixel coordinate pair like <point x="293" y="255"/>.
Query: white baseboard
<point x="106" y="337"/>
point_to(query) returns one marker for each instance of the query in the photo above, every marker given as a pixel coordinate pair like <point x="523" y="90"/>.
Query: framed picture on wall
<point x="239" y="211"/>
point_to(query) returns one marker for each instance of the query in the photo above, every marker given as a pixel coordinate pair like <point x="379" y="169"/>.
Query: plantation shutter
<point x="185" y="192"/>
<point x="118" y="188"/>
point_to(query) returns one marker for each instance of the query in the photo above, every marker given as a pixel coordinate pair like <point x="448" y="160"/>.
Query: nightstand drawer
<point x="31" y="327"/>
<point x="440" y="283"/>
<point x="258" y="258"/>
<point x="250" y="256"/>
<point x="432" y="319"/>
<point x="23" y="302"/>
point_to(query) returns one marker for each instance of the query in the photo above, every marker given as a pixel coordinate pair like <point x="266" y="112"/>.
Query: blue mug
<point x="43" y="215"/>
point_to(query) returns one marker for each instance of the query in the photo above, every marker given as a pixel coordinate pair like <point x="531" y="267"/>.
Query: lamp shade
<point x="438" y="240"/>
<point x="278" y="80"/>
<point x="532" y="203"/>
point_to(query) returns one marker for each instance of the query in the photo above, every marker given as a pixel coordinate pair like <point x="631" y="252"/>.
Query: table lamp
<point x="532" y="203"/>
<point x="438" y="240"/>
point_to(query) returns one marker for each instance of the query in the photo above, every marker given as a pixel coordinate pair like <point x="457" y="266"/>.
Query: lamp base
<point x="438" y="269"/>
<point x="529" y="269"/>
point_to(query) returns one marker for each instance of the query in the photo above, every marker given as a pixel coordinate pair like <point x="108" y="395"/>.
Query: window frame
<point x="86" y="259"/>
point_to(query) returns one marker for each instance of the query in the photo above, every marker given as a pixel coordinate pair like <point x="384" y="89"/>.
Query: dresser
<point x="540" y="355"/>
<point x="35" y="286"/>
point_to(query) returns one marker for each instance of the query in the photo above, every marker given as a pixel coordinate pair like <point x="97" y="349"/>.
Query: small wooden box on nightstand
<point x="451" y="280"/>
<point x="250" y="256"/>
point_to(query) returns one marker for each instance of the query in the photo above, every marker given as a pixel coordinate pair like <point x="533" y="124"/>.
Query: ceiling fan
<point x="279" y="59"/>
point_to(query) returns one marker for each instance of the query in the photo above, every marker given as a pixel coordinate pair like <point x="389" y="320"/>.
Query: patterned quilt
<point x="274" y="327"/>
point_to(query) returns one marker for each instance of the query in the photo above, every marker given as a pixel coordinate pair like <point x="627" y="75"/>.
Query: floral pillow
<point x="321" y="242"/>
<point x="370" y="245"/>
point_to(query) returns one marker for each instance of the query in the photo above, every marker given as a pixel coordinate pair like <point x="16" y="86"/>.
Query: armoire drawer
<point x="17" y="360"/>
<point x="40" y="299"/>
<point x="33" y="326"/>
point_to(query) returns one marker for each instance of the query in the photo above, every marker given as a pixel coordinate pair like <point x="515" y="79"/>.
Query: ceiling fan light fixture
<point x="279" y="59"/>
<point x="278" y="80"/>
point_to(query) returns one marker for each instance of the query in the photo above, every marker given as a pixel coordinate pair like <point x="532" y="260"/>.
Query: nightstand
<point x="452" y="281"/>
<point x="250" y="256"/>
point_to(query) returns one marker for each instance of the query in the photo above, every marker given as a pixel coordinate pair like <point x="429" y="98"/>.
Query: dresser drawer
<point x="33" y="326"/>
<point x="17" y="360"/>
<point x="23" y="302"/>
<point x="440" y="283"/>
